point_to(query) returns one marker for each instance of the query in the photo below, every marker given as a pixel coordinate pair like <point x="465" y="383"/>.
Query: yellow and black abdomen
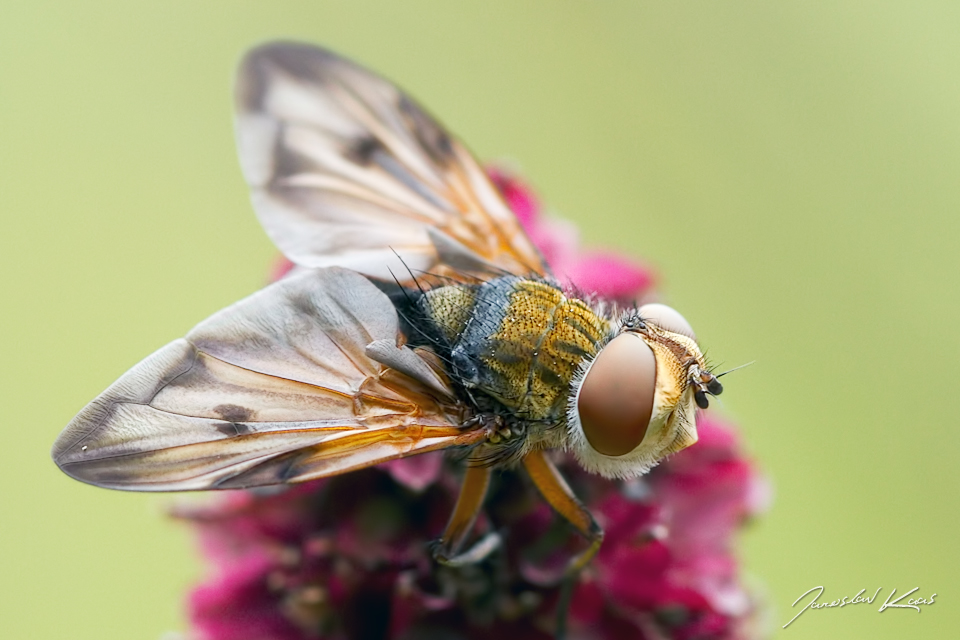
<point x="517" y="341"/>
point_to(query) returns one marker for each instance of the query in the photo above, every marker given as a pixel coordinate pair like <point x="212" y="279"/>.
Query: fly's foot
<point x="480" y="551"/>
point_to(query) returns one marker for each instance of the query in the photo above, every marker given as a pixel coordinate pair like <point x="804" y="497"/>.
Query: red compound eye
<point x="616" y="397"/>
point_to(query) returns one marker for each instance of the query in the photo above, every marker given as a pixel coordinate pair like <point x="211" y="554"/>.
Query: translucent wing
<point x="347" y="170"/>
<point x="286" y="385"/>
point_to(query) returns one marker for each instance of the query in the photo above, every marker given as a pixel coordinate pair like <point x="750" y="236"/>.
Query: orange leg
<point x="558" y="495"/>
<point x="476" y="480"/>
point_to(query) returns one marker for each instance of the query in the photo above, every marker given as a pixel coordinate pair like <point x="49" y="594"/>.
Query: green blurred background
<point x="790" y="168"/>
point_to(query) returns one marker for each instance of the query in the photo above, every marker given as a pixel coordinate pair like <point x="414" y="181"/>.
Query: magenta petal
<point x="759" y="494"/>
<point x="238" y="605"/>
<point x="558" y="242"/>
<point x="607" y="275"/>
<point x="409" y="604"/>
<point x="517" y="196"/>
<point x="415" y="473"/>
<point x="587" y="604"/>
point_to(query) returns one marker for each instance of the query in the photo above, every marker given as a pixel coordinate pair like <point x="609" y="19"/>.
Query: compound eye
<point x="615" y="400"/>
<point x="666" y="318"/>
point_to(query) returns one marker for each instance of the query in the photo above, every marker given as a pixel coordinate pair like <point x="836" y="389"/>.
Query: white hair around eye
<point x="630" y="406"/>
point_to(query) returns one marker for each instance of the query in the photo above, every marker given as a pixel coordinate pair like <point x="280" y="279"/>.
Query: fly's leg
<point x="558" y="495"/>
<point x="476" y="481"/>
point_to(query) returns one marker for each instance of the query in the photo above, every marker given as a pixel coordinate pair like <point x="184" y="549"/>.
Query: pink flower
<point x="348" y="557"/>
<point x="605" y="273"/>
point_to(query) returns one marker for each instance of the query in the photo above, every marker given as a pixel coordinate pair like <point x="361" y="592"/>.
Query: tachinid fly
<point x="419" y="317"/>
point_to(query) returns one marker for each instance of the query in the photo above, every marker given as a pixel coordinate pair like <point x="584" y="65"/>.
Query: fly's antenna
<point x="718" y="375"/>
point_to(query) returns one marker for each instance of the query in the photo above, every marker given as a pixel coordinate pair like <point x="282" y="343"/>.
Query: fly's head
<point x="636" y="401"/>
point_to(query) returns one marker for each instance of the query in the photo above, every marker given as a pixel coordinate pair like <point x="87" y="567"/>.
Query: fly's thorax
<point x="450" y="308"/>
<point x="636" y="401"/>
<point x="520" y="343"/>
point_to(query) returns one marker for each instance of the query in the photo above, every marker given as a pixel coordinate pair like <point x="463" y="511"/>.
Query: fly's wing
<point x="347" y="170"/>
<point x="286" y="385"/>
